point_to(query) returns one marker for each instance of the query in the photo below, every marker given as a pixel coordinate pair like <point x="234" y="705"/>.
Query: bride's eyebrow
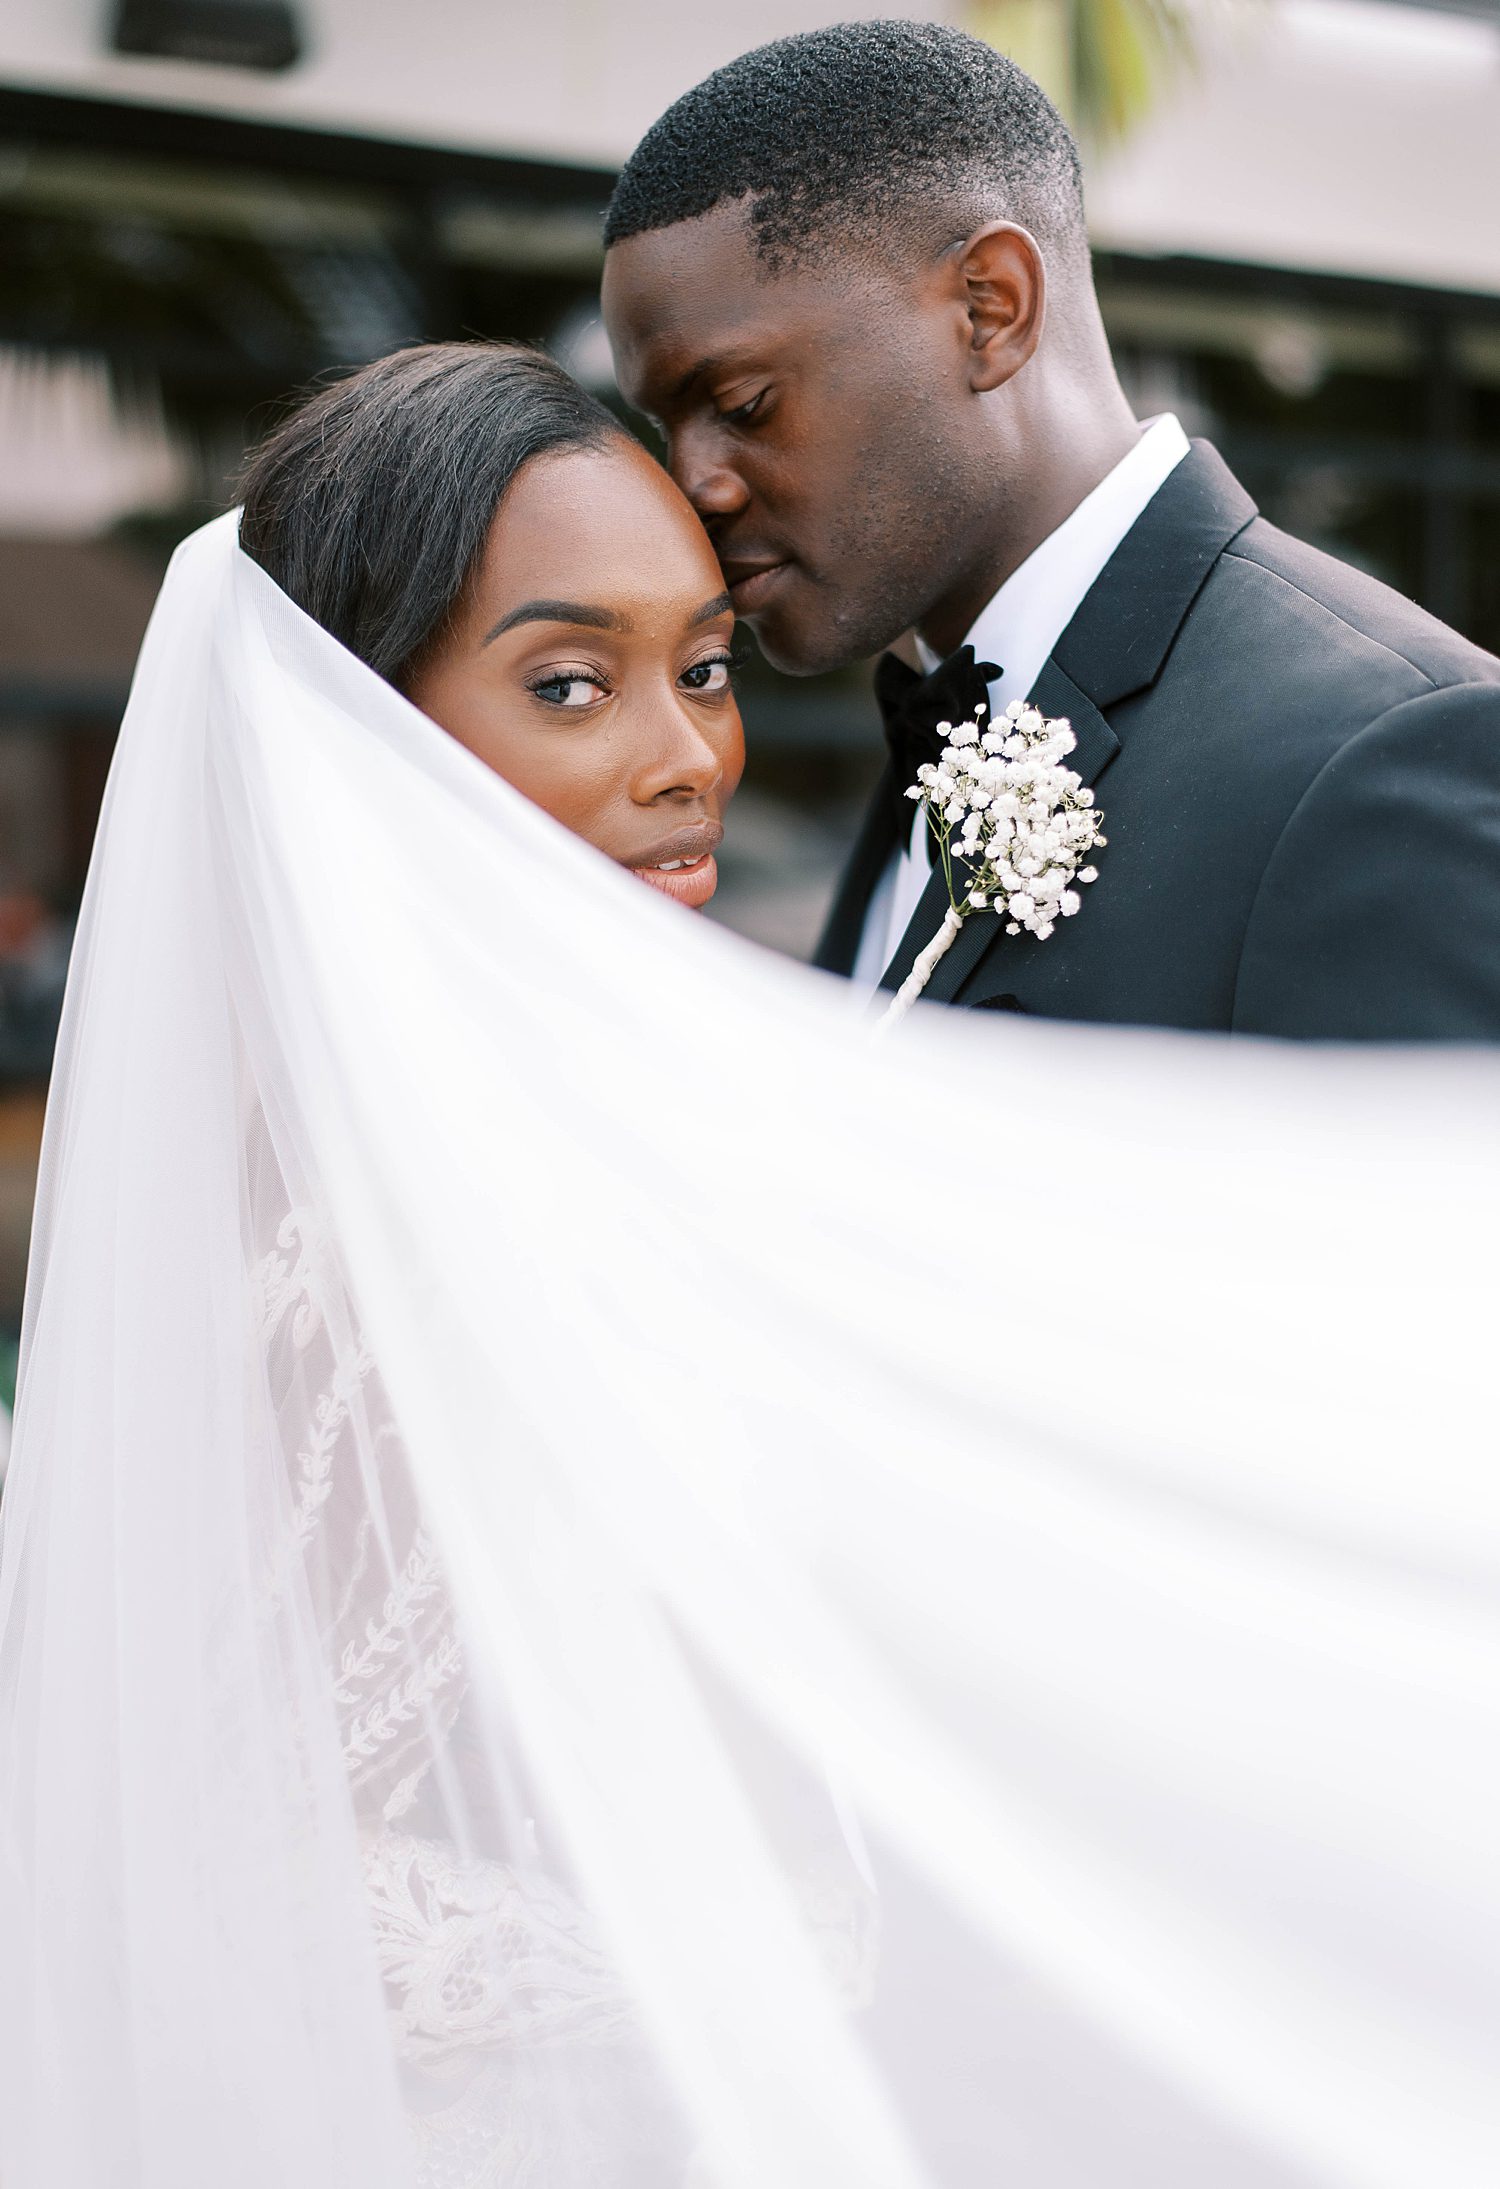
<point x="560" y="611"/>
<point x="594" y="619"/>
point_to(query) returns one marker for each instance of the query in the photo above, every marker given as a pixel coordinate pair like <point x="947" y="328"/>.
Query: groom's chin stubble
<point x="795" y="655"/>
<point x="790" y="652"/>
<point x="864" y="600"/>
<point x="810" y="635"/>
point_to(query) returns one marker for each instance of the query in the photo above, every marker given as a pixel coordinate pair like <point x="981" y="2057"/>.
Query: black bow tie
<point x="912" y="706"/>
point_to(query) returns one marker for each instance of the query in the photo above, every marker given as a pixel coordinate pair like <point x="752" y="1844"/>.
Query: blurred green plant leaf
<point x="1103" y="61"/>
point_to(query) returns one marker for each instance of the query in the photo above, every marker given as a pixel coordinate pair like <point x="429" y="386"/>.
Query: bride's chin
<point x="691" y="885"/>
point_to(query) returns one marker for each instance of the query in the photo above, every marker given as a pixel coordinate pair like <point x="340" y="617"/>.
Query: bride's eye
<point x="569" y="688"/>
<point x="708" y="676"/>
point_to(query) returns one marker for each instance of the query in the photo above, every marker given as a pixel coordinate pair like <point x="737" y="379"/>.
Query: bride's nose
<point x="681" y="756"/>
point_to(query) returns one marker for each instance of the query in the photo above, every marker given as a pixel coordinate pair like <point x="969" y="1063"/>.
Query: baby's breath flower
<point x="1002" y="803"/>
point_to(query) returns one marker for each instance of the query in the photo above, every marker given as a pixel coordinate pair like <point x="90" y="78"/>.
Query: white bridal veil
<point x="608" y="1585"/>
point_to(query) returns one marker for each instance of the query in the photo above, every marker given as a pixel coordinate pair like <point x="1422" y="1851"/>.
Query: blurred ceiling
<point x="1353" y="136"/>
<point x="1332" y="136"/>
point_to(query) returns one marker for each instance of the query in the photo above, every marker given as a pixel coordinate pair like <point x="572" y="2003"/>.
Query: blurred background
<point x="205" y="203"/>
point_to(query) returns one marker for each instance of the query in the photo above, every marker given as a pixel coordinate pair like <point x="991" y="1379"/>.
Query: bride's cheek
<point x="574" y="776"/>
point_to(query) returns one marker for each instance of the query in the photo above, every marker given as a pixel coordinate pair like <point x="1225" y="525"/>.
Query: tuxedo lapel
<point x="1126" y="623"/>
<point x="838" y="945"/>
<point x="1055" y="695"/>
<point x="1113" y="648"/>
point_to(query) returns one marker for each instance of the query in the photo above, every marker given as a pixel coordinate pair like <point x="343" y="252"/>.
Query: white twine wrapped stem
<point x="921" y="973"/>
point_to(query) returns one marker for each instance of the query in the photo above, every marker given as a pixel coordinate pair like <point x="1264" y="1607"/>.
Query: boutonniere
<point x="1013" y="827"/>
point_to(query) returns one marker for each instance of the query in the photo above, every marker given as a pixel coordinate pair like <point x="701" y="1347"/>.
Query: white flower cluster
<point x="1002" y="801"/>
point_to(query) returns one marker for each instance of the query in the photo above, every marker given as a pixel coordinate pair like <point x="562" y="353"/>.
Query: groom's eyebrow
<point x="561" y="611"/>
<point x="691" y="377"/>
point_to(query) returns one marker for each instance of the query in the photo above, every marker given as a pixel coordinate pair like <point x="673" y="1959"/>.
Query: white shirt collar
<point x="1037" y="602"/>
<point x="1019" y="629"/>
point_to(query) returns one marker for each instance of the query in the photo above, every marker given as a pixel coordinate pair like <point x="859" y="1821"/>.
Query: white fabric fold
<point x="605" y="1582"/>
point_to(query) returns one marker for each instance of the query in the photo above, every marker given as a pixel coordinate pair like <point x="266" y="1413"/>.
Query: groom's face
<point x="815" y="418"/>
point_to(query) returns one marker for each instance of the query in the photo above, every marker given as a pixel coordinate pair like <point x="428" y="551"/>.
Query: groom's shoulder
<point x="1306" y="607"/>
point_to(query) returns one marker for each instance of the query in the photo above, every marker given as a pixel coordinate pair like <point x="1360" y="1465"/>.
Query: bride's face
<point x="588" y="663"/>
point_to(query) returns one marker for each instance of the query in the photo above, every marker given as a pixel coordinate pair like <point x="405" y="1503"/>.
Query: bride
<point x="604" y="1583"/>
<point x="455" y="515"/>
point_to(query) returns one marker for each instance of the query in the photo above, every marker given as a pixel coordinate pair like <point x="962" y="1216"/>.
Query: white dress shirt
<point x="1019" y="629"/>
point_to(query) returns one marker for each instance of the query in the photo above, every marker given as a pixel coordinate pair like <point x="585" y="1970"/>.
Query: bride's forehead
<point x="609" y="517"/>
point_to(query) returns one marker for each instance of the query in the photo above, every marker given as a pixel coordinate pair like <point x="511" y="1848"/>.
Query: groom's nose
<point x="715" y="490"/>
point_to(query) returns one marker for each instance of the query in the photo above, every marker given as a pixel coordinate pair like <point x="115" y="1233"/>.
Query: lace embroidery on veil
<point x="491" y="1967"/>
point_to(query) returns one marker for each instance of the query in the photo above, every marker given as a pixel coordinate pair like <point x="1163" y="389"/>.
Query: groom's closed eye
<point x="741" y="413"/>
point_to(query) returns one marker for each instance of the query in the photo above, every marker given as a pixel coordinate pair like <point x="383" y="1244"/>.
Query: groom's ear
<point x="1005" y="289"/>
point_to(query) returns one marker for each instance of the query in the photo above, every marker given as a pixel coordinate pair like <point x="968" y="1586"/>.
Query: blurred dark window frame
<point x="1433" y="463"/>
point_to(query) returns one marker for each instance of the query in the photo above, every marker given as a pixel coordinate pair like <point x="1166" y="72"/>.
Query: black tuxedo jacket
<point x="1299" y="776"/>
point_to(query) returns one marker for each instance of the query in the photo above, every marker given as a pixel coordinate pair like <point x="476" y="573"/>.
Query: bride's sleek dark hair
<point x="370" y="505"/>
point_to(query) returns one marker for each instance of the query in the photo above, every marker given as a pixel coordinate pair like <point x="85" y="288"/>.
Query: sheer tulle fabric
<point x="606" y="1583"/>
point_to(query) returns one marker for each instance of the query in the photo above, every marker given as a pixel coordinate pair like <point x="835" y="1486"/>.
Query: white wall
<point x="574" y="80"/>
<point x="1339" y="135"/>
<point x="1347" y="135"/>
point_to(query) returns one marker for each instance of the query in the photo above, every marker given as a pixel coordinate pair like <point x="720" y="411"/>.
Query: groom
<point x="849" y="277"/>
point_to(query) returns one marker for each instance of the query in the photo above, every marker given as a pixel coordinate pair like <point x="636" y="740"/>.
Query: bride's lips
<point x="682" y="866"/>
<point x="751" y="581"/>
<point x="690" y="885"/>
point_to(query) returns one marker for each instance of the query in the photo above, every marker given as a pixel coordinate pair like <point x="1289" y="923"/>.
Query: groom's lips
<point x="682" y="866"/>
<point x="751" y="581"/>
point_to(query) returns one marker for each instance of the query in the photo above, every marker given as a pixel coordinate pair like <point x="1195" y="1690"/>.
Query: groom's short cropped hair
<point x="856" y="135"/>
